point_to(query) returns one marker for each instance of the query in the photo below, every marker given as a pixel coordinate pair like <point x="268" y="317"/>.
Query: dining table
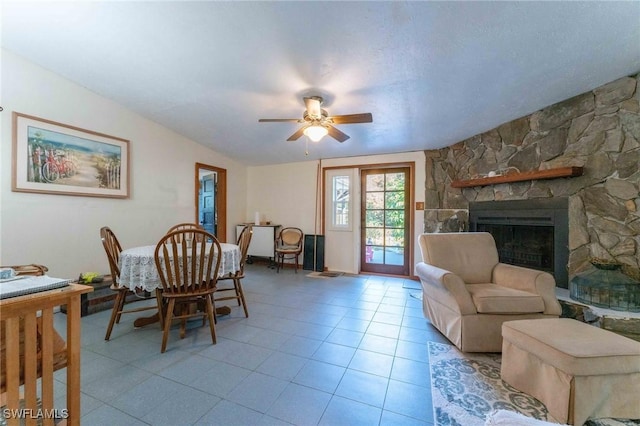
<point x="138" y="271"/>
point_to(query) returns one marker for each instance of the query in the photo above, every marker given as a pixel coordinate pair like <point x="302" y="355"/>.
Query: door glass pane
<point x="394" y="200"/>
<point x="375" y="182"/>
<point x="394" y="237"/>
<point x="375" y="254"/>
<point x="394" y="256"/>
<point x="375" y="200"/>
<point x="374" y="218"/>
<point x="374" y="236"/>
<point x="394" y="218"/>
<point x="372" y="254"/>
<point x="395" y="182"/>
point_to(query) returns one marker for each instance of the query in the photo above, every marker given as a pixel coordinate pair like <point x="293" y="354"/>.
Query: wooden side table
<point x="28" y="353"/>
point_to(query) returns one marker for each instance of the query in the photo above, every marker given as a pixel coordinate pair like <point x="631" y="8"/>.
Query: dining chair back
<point x="188" y="262"/>
<point x="113" y="249"/>
<point x="184" y="226"/>
<point x="288" y="245"/>
<point x="244" y="239"/>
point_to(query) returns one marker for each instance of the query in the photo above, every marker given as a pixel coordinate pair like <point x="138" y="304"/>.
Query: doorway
<point x="385" y="218"/>
<point x="348" y="221"/>
<point x="211" y="199"/>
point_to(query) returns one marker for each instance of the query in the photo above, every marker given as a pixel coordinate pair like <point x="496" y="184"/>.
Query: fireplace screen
<point x="523" y="245"/>
<point x="528" y="233"/>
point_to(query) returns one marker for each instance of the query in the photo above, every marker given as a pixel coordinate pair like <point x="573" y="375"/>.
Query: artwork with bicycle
<point x="52" y="157"/>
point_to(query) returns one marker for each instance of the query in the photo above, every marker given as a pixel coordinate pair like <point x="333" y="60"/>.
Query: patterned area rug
<point x="466" y="387"/>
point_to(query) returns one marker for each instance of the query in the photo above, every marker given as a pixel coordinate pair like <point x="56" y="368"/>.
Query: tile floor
<point x="349" y="350"/>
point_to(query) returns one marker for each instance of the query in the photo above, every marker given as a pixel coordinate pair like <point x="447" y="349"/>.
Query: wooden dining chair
<point x="288" y="245"/>
<point x="244" y="239"/>
<point x="31" y="269"/>
<point x="113" y="248"/>
<point x="188" y="273"/>
<point x="183" y="226"/>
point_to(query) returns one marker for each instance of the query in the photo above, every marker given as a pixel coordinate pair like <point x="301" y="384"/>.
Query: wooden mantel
<point x="519" y="177"/>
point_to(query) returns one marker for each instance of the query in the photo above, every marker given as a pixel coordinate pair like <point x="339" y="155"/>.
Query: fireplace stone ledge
<point x="620" y="322"/>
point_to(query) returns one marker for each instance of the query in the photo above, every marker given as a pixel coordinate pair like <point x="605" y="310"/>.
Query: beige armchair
<point x="468" y="293"/>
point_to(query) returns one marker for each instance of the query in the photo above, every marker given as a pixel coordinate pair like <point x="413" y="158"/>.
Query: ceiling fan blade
<point x="313" y="106"/>
<point x="337" y="134"/>
<point x="297" y="134"/>
<point x="352" y="118"/>
<point x="278" y="120"/>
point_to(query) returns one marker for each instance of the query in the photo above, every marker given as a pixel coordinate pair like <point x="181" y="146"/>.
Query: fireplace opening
<point x="528" y="246"/>
<point x="528" y="233"/>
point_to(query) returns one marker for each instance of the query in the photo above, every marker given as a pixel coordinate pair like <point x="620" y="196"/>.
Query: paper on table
<point x="30" y="285"/>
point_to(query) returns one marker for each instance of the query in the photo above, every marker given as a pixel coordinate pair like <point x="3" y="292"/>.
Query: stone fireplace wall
<point x="598" y="130"/>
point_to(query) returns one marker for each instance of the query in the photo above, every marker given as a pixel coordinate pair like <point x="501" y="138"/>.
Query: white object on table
<point x="138" y="266"/>
<point x="7" y="273"/>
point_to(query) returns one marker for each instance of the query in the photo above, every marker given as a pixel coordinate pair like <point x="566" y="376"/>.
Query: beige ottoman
<point x="577" y="370"/>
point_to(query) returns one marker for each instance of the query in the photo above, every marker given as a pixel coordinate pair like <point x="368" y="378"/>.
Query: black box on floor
<point x="100" y="299"/>
<point x="313" y="259"/>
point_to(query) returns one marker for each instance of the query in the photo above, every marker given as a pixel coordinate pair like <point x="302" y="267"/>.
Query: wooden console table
<point x="29" y="352"/>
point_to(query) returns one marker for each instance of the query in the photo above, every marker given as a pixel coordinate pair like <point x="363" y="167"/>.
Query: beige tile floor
<point x="350" y="350"/>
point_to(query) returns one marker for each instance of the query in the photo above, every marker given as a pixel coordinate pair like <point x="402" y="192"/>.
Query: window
<point x="341" y="196"/>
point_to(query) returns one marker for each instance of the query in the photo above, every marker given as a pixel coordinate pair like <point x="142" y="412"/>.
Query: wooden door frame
<point x="221" y="198"/>
<point x="412" y="172"/>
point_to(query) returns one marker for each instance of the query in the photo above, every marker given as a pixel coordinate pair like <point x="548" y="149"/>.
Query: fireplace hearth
<point x="530" y="233"/>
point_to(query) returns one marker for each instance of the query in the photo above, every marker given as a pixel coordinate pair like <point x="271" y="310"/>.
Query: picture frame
<point x="55" y="158"/>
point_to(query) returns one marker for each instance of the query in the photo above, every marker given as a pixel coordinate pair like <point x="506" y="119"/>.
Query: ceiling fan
<point x="317" y="123"/>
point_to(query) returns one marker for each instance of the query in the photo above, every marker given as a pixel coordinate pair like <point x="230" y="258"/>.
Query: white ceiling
<point x="431" y="73"/>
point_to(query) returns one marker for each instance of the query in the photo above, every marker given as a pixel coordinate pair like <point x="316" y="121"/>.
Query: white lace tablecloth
<point x="138" y="266"/>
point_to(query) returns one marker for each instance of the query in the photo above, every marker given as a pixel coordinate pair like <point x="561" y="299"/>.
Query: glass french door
<point x="385" y="220"/>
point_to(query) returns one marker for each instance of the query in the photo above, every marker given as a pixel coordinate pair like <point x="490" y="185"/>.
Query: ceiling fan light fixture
<point x="315" y="133"/>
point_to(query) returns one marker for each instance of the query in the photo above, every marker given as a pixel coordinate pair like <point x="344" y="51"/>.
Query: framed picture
<point x="54" y="158"/>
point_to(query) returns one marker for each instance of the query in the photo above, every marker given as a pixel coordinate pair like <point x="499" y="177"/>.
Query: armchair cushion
<point x="497" y="299"/>
<point x="532" y="281"/>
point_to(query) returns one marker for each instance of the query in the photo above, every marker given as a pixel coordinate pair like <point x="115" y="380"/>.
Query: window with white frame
<point x="341" y="196"/>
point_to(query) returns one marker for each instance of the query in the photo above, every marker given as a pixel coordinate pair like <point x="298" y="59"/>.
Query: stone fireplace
<point x="528" y="233"/>
<point x="598" y="130"/>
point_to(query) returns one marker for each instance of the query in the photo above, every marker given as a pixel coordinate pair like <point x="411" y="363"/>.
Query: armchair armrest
<point x="446" y="288"/>
<point x="531" y="280"/>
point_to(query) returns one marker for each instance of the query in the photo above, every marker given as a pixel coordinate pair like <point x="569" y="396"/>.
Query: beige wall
<point x="285" y="193"/>
<point x="62" y="231"/>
